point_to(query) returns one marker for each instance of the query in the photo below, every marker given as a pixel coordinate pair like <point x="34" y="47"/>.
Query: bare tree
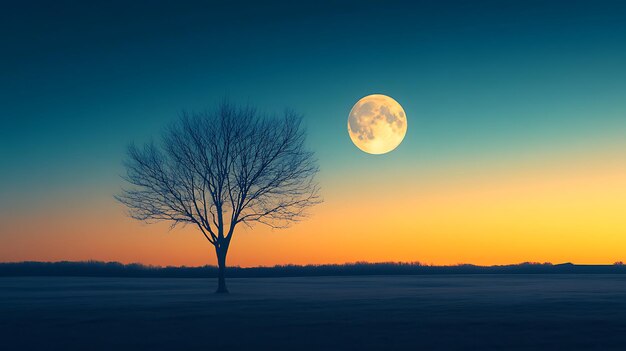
<point x="217" y="169"/>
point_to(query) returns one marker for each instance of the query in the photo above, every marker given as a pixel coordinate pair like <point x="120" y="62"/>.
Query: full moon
<point x="377" y="124"/>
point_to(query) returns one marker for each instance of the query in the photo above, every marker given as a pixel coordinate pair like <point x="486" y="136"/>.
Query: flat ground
<point x="444" y="312"/>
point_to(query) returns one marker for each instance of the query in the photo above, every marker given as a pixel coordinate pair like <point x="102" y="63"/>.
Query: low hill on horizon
<point x="116" y="269"/>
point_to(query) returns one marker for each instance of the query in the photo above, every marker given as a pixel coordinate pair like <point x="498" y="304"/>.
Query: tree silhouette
<point x="220" y="168"/>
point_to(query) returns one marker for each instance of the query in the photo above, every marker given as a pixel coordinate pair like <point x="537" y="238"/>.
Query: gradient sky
<point x="515" y="149"/>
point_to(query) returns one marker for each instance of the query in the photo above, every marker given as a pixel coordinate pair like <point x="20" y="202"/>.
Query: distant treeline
<point x="115" y="269"/>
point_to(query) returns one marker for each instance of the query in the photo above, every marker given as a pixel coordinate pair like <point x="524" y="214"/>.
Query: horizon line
<point x="344" y="264"/>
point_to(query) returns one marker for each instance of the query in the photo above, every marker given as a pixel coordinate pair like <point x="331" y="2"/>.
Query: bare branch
<point x="219" y="168"/>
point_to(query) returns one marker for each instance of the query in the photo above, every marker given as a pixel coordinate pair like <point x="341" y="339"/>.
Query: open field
<point x="434" y="312"/>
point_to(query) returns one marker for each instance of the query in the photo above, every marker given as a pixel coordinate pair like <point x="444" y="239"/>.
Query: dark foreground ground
<point x="445" y="312"/>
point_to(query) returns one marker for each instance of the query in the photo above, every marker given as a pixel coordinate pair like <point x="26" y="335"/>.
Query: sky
<point x="515" y="149"/>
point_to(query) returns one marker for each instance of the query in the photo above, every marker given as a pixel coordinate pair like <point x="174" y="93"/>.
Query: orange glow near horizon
<point x="567" y="211"/>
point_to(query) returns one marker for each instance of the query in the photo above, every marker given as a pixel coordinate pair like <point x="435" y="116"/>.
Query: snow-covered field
<point x="432" y="312"/>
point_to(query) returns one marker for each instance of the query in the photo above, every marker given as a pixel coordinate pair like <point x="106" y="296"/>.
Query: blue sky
<point x="481" y="81"/>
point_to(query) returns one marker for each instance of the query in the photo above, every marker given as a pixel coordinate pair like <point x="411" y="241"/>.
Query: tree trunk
<point x="221" y="270"/>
